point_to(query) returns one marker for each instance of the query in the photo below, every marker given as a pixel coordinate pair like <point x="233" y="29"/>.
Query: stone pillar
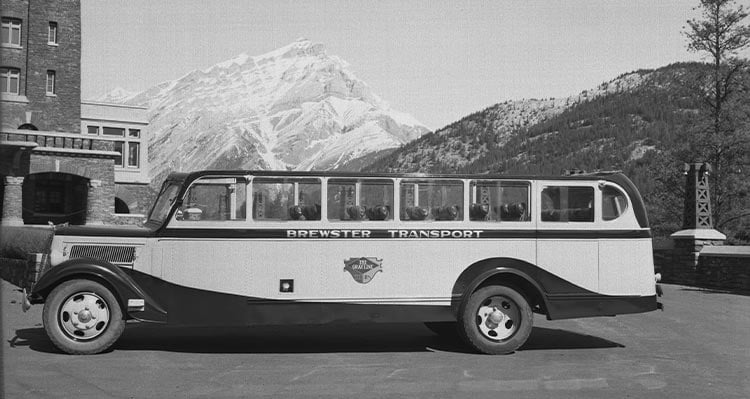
<point x="95" y="203"/>
<point x="13" y="201"/>
<point x="686" y="254"/>
<point x="697" y="228"/>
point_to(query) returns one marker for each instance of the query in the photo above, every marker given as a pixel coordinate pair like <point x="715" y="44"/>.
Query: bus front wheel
<point x="496" y="320"/>
<point x="82" y="317"/>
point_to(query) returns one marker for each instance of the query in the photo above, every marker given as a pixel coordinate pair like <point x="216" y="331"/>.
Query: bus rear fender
<point x="515" y="273"/>
<point x="134" y="301"/>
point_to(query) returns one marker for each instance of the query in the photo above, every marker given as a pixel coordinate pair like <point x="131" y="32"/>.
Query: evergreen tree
<point x="722" y="136"/>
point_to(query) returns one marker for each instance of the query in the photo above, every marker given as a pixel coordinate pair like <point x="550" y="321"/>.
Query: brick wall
<point x="13" y="113"/>
<point x="95" y="169"/>
<point x="62" y="111"/>
<point x="91" y="168"/>
<point x="16" y="57"/>
<point x="138" y="197"/>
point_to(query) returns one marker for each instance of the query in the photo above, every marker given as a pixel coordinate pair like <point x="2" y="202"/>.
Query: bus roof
<point x="182" y="176"/>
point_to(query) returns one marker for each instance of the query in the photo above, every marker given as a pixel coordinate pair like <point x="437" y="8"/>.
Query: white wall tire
<point x="82" y="317"/>
<point x="496" y="320"/>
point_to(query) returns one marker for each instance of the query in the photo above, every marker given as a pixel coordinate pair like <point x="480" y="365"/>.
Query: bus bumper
<point x="25" y="304"/>
<point x="659" y="291"/>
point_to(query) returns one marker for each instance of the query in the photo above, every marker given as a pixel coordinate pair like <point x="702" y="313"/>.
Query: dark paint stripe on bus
<point x="198" y="307"/>
<point x="354" y="233"/>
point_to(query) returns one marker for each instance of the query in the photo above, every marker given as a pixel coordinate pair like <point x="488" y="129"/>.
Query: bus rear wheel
<point x="496" y="320"/>
<point x="82" y="317"/>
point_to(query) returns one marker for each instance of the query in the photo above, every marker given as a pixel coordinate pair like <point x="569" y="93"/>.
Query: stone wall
<point x="725" y="268"/>
<point x="682" y="265"/>
<point x="705" y="265"/>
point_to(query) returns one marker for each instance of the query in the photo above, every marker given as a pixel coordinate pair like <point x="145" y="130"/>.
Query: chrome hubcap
<point x="84" y="316"/>
<point x="498" y="318"/>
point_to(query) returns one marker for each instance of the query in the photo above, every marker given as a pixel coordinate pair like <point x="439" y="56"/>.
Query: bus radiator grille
<point x="111" y="253"/>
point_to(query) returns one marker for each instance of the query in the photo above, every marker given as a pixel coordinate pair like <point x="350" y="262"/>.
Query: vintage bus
<point x="472" y="255"/>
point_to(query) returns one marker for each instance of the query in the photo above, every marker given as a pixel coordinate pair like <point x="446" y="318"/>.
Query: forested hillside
<point x="624" y="124"/>
<point x="621" y="131"/>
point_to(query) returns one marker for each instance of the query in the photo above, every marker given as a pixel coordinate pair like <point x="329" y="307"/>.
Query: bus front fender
<point x="133" y="299"/>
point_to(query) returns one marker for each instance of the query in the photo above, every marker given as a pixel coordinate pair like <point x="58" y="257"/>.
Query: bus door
<point x="626" y="257"/>
<point x="567" y="245"/>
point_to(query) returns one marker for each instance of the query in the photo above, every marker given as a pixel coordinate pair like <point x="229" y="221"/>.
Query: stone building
<point x="61" y="159"/>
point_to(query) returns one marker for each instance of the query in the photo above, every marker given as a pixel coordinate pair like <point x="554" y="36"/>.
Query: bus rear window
<point x="614" y="203"/>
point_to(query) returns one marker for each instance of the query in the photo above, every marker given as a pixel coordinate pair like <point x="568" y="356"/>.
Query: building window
<point x="134" y="154"/>
<point x="129" y="148"/>
<point x="11" y="32"/>
<point x="9" y="80"/>
<point x="113" y="131"/>
<point x="51" y="83"/>
<point x="119" y="147"/>
<point x="52" y="33"/>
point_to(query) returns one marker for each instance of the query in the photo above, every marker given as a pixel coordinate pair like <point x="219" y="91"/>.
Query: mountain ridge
<point x="462" y="145"/>
<point x="295" y="107"/>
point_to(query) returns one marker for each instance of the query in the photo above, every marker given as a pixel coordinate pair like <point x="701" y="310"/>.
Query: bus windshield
<point x="164" y="202"/>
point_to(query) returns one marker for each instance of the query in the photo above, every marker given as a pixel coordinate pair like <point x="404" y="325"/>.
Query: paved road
<point x="698" y="348"/>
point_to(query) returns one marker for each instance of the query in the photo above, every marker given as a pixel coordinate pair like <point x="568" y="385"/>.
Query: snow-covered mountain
<point x="293" y="108"/>
<point x="117" y="95"/>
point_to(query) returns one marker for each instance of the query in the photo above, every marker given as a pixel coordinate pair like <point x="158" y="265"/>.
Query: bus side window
<point x="567" y="204"/>
<point x="431" y="200"/>
<point x="614" y="203"/>
<point x="286" y="199"/>
<point x="213" y="198"/>
<point x="362" y="199"/>
<point x="499" y="201"/>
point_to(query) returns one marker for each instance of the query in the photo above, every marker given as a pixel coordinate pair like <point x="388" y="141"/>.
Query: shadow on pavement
<point x="552" y="338"/>
<point x="34" y="338"/>
<point x="715" y="291"/>
<point x="307" y="339"/>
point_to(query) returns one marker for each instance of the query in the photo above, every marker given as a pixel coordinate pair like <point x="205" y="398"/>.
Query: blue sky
<point x="437" y="60"/>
